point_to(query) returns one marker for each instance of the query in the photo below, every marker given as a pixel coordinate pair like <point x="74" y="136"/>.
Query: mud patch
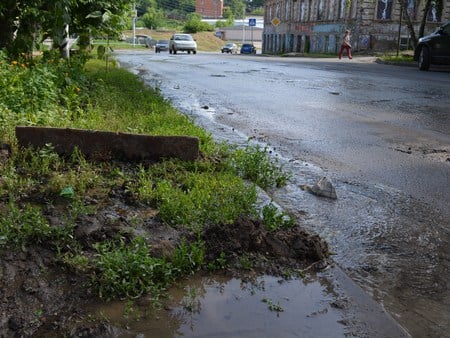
<point x="40" y="297"/>
<point x="269" y="252"/>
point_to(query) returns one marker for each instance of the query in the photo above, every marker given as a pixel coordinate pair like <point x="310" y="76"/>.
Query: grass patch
<point x="217" y="189"/>
<point x="394" y="58"/>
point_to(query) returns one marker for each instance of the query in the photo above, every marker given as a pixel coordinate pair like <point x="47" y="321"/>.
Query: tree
<point x="142" y="6"/>
<point x="195" y="24"/>
<point x="153" y="18"/>
<point x="8" y="12"/>
<point x="410" y="17"/>
<point x="37" y="19"/>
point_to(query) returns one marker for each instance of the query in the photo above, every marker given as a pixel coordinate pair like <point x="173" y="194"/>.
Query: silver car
<point x="182" y="42"/>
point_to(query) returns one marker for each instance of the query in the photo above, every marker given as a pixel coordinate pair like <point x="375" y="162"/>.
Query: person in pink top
<point x="346" y="45"/>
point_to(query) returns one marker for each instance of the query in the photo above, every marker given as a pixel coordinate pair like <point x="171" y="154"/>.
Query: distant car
<point x="434" y="48"/>
<point x="230" y="48"/>
<point x="182" y="42"/>
<point x="149" y="42"/>
<point x="161" y="45"/>
<point x="248" y="48"/>
<point x="142" y="39"/>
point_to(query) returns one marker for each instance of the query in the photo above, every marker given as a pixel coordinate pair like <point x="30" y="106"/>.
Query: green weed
<point x="272" y="306"/>
<point x="256" y="164"/>
<point x="128" y="271"/>
<point x="219" y="263"/>
<point x="273" y="219"/>
<point x="188" y="258"/>
<point x="20" y="226"/>
<point x="246" y="262"/>
<point x="204" y="198"/>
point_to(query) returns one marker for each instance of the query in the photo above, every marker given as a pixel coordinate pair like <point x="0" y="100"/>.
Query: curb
<point x="106" y="145"/>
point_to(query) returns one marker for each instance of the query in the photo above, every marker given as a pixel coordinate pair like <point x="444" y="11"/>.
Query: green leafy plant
<point x="128" y="271"/>
<point x="204" y="198"/>
<point x="188" y="257"/>
<point x="273" y="219"/>
<point x="272" y="306"/>
<point x="22" y="226"/>
<point x="256" y="164"/>
<point x="219" y="263"/>
<point x="246" y="262"/>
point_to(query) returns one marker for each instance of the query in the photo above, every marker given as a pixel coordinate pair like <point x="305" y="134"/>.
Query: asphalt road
<point x="380" y="132"/>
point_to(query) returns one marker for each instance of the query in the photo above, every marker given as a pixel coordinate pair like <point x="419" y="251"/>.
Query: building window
<point x="434" y="14"/>
<point x="411" y="8"/>
<point x="342" y="5"/>
<point x="320" y="10"/>
<point x="384" y="9"/>
<point x="286" y="10"/>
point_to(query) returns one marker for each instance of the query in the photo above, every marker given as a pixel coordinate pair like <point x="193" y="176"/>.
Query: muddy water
<point x="228" y="307"/>
<point x="394" y="246"/>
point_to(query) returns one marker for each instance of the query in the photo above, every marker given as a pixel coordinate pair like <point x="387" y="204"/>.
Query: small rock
<point x="323" y="187"/>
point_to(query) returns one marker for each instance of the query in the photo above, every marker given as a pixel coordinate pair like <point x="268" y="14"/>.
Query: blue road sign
<point x="252" y="22"/>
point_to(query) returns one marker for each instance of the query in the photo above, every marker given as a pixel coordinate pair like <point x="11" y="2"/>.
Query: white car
<point x="182" y="42"/>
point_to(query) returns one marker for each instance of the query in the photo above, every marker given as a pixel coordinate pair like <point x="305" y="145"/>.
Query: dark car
<point x="229" y="48"/>
<point x="434" y="49"/>
<point x="162" y="45"/>
<point x="248" y="48"/>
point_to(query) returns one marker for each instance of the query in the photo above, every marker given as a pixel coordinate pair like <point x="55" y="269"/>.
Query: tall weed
<point x="256" y="164"/>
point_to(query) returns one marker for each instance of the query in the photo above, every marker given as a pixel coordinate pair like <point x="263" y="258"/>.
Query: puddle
<point x="228" y="307"/>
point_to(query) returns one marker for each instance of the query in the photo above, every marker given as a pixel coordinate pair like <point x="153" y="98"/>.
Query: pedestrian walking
<point x="346" y="45"/>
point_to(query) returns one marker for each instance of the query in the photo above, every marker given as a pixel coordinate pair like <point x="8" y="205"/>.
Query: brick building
<point x="209" y="8"/>
<point x="317" y="26"/>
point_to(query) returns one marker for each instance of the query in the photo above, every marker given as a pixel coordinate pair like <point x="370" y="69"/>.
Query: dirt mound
<point x="289" y="248"/>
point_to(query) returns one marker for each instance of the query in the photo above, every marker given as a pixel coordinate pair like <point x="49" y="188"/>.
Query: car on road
<point x="182" y="42"/>
<point x="248" y="48"/>
<point x="229" y="48"/>
<point x="142" y="39"/>
<point x="434" y="49"/>
<point x="161" y="45"/>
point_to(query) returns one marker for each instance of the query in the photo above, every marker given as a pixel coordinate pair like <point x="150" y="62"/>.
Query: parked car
<point x="161" y="45"/>
<point x="248" y="48"/>
<point x="142" y="39"/>
<point x="434" y="48"/>
<point x="230" y="48"/>
<point x="182" y="42"/>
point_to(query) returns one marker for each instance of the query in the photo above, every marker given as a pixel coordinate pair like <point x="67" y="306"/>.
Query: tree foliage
<point x="25" y="23"/>
<point x="153" y="18"/>
<point x="195" y="24"/>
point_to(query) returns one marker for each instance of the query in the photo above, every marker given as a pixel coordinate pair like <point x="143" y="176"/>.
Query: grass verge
<point x="45" y="198"/>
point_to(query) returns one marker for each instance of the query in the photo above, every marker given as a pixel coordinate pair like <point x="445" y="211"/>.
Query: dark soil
<point x="40" y="297"/>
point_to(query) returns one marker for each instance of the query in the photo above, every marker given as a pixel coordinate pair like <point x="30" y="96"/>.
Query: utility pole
<point x="134" y="24"/>
<point x="243" y="25"/>
<point x="399" y="29"/>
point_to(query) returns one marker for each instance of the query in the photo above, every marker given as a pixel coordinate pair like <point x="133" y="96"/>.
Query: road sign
<point x="252" y="22"/>
<point x="275" y="21"/>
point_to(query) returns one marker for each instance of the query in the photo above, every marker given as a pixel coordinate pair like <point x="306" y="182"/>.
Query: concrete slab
<point x="110" y="145"/>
